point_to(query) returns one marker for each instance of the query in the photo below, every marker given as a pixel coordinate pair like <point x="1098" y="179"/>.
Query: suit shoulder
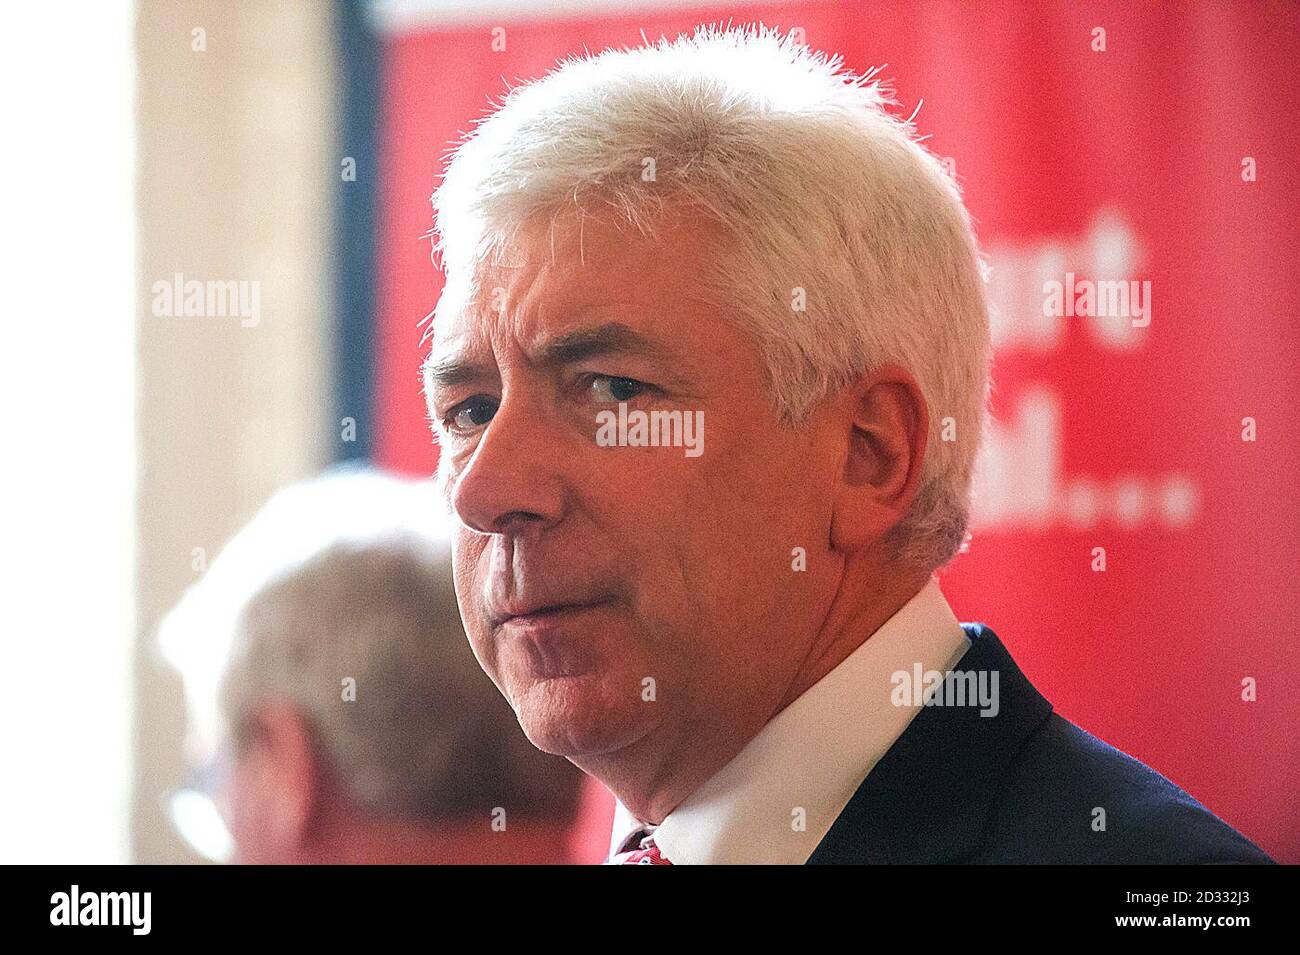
<point x="1067" y="796"/>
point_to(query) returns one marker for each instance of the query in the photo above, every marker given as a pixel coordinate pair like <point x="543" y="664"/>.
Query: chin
<point x="580" y="716"/>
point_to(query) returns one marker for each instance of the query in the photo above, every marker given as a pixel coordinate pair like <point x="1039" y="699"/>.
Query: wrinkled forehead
<point x="562" y="272"/>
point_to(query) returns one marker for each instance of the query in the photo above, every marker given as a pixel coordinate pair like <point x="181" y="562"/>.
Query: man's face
<point x="620" y="594"/>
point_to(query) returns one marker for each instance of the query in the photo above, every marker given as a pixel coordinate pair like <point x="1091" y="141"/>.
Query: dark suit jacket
<point x="1020" y="786"/>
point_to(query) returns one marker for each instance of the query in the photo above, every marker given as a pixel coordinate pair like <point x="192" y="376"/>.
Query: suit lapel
<point x="927" y="798"/>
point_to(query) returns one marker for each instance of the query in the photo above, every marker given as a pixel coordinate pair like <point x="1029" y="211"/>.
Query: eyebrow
<point x="611" y="338"/>
<point x="449" y="370"/>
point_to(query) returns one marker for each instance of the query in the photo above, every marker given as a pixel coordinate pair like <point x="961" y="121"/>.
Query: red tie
<point x="647" y="853"/>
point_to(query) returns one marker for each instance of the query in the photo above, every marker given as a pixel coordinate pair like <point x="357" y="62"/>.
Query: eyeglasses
<point x="194" y="811"/>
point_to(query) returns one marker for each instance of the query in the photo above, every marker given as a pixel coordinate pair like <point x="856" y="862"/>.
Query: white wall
<point x="67" y="404"/>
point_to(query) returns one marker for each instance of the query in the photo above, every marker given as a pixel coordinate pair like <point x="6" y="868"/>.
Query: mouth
<point x="555" y="641"/>
<point x="543" y="616"/>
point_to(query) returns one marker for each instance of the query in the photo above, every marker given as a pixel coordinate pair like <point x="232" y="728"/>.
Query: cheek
<point x="754" y="537"/>
<point x="737" y="511"/>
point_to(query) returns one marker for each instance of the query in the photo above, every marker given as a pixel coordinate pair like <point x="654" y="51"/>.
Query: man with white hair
<point x="335" y="707"/>
<point x="747" y="644"/>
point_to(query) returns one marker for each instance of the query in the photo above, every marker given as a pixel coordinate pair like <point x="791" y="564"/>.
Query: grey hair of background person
<point x="345" y="581"/>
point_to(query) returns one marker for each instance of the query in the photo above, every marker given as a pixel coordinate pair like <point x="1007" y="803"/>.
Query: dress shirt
<point x="778" y="797"/>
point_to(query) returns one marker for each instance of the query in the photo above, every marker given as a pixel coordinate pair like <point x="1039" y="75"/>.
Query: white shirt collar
<point x="808" y="761"/>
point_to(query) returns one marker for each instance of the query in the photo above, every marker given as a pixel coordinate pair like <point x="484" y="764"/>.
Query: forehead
<point x="563" y="273"/>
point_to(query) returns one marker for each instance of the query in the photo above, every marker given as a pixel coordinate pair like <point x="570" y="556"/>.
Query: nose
<point x="513" y="482"/>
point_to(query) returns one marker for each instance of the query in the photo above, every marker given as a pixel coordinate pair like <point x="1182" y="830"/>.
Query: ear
<point x="886" y="423"/>
<point x="276" y="790"/>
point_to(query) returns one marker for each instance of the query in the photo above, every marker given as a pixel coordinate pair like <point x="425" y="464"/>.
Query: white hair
<point x="347" y="577"/>
<point x="821" y="189"/>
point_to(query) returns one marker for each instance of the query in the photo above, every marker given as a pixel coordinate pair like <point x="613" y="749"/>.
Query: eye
<point x="471" y="413"/>
<point x="616" y="388"/>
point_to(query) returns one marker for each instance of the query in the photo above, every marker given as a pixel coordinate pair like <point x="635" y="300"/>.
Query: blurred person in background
<point x="335" y="706"/>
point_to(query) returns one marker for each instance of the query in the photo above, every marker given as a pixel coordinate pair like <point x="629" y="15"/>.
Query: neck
<point x="868" y="595"/>
<point x="857" y="612"/>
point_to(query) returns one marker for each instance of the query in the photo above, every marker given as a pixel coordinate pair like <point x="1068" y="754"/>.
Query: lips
<point x="539" y="613"/>
<point x="554" y="640"/>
